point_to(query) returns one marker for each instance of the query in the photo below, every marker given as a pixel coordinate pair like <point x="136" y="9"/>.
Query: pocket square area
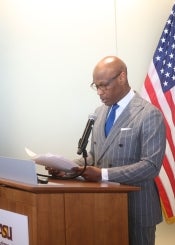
<point x="125" y="129"/>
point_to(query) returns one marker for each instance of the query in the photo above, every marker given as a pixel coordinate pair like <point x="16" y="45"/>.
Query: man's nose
<point x="100" y="91"/>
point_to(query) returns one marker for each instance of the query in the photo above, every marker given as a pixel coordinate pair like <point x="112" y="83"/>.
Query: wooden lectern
<point x="70" y="212"/>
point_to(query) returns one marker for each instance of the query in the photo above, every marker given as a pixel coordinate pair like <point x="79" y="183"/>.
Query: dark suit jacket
<point x="133" y="152"/>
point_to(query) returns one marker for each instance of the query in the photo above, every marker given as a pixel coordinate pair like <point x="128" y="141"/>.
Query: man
<point x="132" y="151"/>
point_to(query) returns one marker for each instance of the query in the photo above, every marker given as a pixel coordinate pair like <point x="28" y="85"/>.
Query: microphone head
<point x="92" y="117"/>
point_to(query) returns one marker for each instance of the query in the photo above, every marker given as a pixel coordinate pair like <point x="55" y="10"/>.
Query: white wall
<point x="48" y="49"/>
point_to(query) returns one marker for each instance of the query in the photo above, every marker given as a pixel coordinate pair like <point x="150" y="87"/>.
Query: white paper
<point x="51" y="160"/>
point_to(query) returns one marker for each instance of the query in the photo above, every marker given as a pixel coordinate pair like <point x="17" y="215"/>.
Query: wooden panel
<point x="50" y="219"/>
<point x="96" y="218"/>
<point x="45" y="214"/>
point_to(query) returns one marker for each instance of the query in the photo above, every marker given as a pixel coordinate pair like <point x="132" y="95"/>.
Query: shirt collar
<point x="125" y="100"/>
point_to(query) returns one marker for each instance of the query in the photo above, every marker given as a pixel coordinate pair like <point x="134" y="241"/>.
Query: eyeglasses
<point x="104" y="86"/>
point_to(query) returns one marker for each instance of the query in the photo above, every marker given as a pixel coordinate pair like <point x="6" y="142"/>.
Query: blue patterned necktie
<point x="110" y="120"/>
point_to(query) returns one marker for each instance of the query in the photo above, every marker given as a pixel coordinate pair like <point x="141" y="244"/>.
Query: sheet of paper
<point x="51" y="160"/>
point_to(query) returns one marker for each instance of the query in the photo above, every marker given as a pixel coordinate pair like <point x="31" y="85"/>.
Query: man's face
<point x="109" y="87"/>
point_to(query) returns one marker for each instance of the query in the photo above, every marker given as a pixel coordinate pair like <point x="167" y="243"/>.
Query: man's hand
<point x="91" y="173"/>
<point x="55" y="172"/>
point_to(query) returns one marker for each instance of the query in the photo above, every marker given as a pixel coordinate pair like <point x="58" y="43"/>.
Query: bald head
<point x="111" y="73"/>
<point x="110" y="64"/>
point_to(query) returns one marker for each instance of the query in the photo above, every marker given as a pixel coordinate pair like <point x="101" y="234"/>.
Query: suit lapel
<point x="129" y="113"/>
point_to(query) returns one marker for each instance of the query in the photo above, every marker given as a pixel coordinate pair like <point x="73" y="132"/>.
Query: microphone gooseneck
<point x="84" y="139"/>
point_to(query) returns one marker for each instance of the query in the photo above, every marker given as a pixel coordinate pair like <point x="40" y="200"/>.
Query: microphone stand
<point x="84" y="153"/>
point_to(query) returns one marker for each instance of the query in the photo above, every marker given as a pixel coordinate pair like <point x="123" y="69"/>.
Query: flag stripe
<point x="170" y="158"/>
<point x="164" y="196"/>
<point x="169" y="172"/>
<point x="169" y="193"/>
<point x="153" y="97"/>
<point x="170" y="101"/>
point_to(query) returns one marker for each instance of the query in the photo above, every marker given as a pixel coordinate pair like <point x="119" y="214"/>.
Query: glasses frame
<point x="104" y="87"/>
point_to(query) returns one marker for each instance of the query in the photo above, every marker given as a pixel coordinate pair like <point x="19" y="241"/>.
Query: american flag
<point x="159" y="89"/>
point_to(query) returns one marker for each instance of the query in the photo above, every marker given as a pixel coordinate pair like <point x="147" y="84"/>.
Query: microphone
<point x="84" y="139"/>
